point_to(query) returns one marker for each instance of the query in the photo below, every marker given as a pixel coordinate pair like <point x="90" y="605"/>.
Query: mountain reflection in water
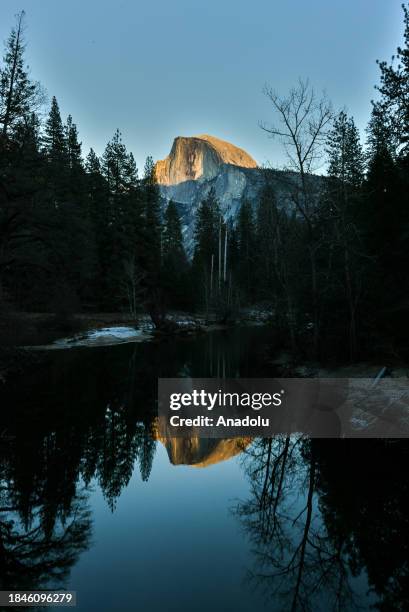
<point x="91" y="500"/>
<point x="202" y="452"/>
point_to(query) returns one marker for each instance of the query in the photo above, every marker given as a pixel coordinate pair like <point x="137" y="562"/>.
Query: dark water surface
<point x="92" y="501"/>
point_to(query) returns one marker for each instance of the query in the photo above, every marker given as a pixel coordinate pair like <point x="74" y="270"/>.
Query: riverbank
<point x="24" y="335"/>
<point x="27" y="338"/>
<point x="28" y="328"/>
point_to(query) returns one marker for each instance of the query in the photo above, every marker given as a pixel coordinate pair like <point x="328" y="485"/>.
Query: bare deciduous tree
<point x="303" y="120"/>
<point x="296" y="557"/>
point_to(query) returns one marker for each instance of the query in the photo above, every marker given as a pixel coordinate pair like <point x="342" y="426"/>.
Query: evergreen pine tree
<point x="73" y="146"/>
<point x="172" y="242"/>
<point x="384" y="214"/>
<point x="206" y="265"/>
<point x="54" y="139"/>
<point x="115" y="165"/>
<point x="265" y="228"/>
<point x="19" y="96"/>
<point x="233" y="249"/>
<point x="341" y="228"/>
<point x="92" y="163"/>
<point x="246" y="238"/>
<point x="175" y="265"/>
<point x="394" y="90"/>
<point x="153" y="221"/>
<point x="118" y="218"/>
<point x="207" y="230"/>
<point x="346" y="158"/>
<point x="388" y="174"/>
<point x="98" y="210"/>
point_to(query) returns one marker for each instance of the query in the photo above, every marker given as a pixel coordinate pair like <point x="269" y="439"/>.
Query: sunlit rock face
<point x="199" y="157"/>
<point x="198" y="163"/>
<point x="202" y="452"/>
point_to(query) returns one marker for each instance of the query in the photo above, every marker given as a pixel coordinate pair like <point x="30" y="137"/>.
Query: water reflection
<point x="203" y="452"/>
<point x="325" y="519"/>
<point x="88" y="416"/>
<point x="45" y="521"/>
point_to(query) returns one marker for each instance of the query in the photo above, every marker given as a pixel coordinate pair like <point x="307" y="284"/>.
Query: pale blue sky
<point x="161" y="69"/>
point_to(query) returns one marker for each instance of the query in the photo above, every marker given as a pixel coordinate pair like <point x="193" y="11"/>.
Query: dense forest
<point x="86" y="233"/>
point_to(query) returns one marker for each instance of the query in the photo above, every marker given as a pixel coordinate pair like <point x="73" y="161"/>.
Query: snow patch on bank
<point x="122" y="333"/>
<point x="106" y="336"/>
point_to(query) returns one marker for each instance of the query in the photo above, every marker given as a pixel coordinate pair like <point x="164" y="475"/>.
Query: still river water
<point x="92" y="501"/>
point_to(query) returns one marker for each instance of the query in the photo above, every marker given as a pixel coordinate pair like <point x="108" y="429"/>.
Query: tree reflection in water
<point x="320" y="512"/>
<point x="45" y="521"/>
<point x="42" y="531"/>
<point x="52" y="445"/>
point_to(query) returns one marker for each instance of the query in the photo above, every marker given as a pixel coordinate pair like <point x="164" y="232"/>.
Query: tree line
<point x="90" y="234"/>
<point x="77" y="233"/>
